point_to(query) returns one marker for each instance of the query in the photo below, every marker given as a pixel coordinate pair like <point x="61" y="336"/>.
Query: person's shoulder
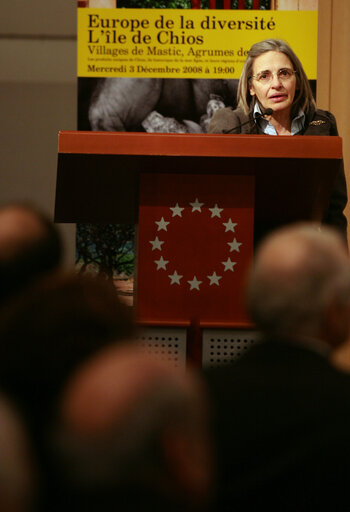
<point x="323" y="114"/>
<point x="322" y="122"/>
<point x="225" y="119"/>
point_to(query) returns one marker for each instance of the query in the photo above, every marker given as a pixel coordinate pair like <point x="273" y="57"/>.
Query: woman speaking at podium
<point x="274" y="98"/>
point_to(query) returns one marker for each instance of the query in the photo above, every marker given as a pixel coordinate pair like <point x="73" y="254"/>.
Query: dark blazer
<point x="318" y="122"/>
<point x="281" y="419"/>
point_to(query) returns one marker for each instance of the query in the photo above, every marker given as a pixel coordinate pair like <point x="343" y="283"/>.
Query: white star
<point x="230" y="226"/>
<point x="161" y="263"/>
<point x="215" y="212"/>
<point x="175" y="278"/>
<point x="214" y="279"/>
<point x="196" y="206"/>
<point x="162" y="224"/>
<point x="194" y="284"/>
<point x="228" y="264"/>
<point x="156" y="244"/>
<point x="177" y="210"/>
<point x="234" y="246"/>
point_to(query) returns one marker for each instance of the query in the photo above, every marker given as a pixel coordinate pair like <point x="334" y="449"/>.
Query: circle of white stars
<point x="195" y="283"/>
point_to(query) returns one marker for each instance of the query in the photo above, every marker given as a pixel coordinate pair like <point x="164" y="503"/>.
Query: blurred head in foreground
<point x="30" y="246"/>
<point x="133" y="430"/>
<point x="300" y="285"/>
<point x="49" y="329"/>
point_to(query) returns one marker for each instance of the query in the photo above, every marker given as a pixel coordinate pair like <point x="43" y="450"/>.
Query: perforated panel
<point x="168" y="343"/>
<point x="222" y="346"/>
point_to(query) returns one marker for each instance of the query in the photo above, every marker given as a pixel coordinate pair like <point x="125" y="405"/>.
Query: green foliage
<point x="264" y="4"/>
<point x="109" y="248"/>
<point x="155" y="4"/>
<point x="182" y="4"/>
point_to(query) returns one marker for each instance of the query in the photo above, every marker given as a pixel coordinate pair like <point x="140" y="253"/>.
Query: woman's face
<point x="277" y="94"/>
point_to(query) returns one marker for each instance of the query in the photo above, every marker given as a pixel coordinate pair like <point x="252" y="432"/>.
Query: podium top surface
<point x="218" y="145"/>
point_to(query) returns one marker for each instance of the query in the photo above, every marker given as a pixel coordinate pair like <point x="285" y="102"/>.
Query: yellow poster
<point x="186" y="43"/>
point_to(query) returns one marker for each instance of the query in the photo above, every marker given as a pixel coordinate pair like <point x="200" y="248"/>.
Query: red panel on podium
<point x="195" y="243"/>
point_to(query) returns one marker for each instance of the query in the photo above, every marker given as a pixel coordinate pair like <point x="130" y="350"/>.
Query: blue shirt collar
<point x="297" y="123"/>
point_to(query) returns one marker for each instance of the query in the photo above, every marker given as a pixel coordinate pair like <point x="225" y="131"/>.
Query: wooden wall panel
<point x="334" y="71"/>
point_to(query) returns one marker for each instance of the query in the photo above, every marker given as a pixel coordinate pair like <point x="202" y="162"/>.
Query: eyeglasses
<point x="265" y="77"/>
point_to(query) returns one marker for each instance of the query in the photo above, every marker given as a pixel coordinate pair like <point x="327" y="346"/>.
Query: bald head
<point x="130" y="420"/>
<point x="29" y="246"/>
<point x="300" y="273"/>
<point x="109" y="386"/>
<point x="20" y="227"/>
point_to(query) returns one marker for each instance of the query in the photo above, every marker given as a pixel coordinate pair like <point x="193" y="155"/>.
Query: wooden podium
<point x="98" y="179"/>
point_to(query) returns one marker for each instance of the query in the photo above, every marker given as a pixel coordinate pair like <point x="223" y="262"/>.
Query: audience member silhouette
<point x="132" y="434"/>
<point x="111" y="427"/>
<point x="30" y="246"/>
<point x="46" y="332"/>
<point x="282" y="412"/>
